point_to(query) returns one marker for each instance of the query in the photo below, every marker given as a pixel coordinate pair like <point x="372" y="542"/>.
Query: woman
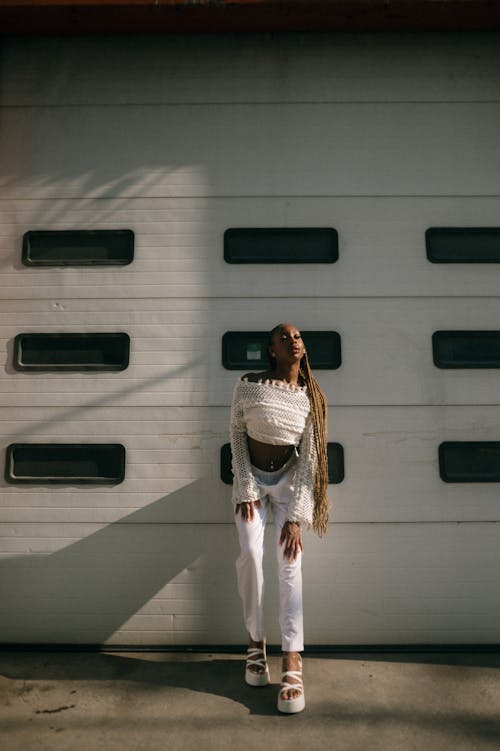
<point x="278" y="443"/>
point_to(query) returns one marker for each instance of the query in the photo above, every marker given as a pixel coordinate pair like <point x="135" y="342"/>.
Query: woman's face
<point x="287" y="345"/>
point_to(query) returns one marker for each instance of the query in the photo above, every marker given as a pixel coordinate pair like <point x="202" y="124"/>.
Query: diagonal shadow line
<point x="90" y="588"/>
<point x="52" y="209"/>
<point x="105" y="401"/>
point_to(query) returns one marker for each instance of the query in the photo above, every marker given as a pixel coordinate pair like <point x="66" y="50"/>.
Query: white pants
<point x="276" y="493"/>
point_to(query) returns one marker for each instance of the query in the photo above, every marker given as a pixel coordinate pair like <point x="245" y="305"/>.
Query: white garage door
<point x="179" y="138"/>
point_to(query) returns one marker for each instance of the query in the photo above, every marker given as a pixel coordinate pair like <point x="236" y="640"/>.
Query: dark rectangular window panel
<point x="65" y="463"/>
<point x="466" y="349"/>
<point x="463" y="244"/>
<point x="335" y="453"/>
<point x="226" y="472"/>
<point x="469" y="461"/>
<point x="247" y="350"/>
<point x="281" y="245"/>
<point x="55" y="352"/>
<point x="78" y="247"/>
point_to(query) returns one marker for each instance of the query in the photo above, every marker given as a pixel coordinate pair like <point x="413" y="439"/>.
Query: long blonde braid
<point x="319" y="407"/>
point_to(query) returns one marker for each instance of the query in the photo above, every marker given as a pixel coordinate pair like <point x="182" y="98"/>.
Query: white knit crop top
<point x="279" y="414"/>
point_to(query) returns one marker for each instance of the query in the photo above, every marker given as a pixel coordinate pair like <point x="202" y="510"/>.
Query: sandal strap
<point x="252" y="653"/>
<point x="259" y="663"/>
<point x="295" y="673"/>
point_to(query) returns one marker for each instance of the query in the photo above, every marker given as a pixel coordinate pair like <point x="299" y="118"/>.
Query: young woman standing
<point x="278" y="442"/>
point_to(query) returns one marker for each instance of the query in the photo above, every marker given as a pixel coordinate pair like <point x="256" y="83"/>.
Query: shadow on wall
<point x="93" y="159"/>
<point x="87" y="591"/>
<point x="110" y="399"/>
<point x="61" y="158"/>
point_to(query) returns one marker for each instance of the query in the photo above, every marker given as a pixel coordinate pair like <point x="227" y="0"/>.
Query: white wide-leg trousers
<point x="277" y="491"/>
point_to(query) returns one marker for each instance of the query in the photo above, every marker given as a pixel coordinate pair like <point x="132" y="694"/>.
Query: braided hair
<point x="319" y="405"/>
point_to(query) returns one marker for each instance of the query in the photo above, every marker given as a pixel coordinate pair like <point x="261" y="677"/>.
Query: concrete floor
<point x="169" y="701"/>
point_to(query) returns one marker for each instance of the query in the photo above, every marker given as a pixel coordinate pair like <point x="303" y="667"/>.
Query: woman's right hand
<point x="247" y="510"/>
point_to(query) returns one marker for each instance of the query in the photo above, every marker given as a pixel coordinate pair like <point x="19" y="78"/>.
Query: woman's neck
<point x="288" y="373"/>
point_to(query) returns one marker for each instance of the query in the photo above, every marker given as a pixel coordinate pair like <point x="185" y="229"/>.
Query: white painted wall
<point x="178" y="138"/>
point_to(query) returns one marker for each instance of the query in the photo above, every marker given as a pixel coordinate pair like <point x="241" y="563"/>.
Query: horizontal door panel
<point x="179" y="249"/>
<point x="386" y="343"/>
<point x="354" y="149"/>
<point x="391" y="465"/>
<point x="389" y="584"/>
<point x="259" y="68"/>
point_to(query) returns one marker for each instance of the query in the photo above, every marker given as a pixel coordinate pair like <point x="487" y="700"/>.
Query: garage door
<point x="177" y="139"/>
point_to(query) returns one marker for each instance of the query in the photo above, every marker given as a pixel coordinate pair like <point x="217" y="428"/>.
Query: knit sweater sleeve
<point x="302" y="505"/>
<point x="244" y="484"/>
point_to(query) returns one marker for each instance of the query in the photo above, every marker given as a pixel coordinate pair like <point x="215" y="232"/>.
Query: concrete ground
<point x="170" y="701"/>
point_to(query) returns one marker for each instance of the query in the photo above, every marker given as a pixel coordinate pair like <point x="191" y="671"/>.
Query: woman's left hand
<point x="291" y="535"/>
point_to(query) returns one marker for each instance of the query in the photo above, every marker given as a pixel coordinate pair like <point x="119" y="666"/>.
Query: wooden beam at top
<point x="200" y="16"/>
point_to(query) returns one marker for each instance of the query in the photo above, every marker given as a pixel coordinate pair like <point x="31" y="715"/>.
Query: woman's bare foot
<point x="256" y="667"/>
<point x="291" y="661"/>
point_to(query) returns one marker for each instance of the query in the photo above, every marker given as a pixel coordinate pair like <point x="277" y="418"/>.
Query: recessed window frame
<point x="74" y="479"/>
<point x="439" y="340"/>
<point x="226" y="474"/>
<point x="78" y="237"/>
<point x="260" y="338"/>
<point x="465" y="446"/>
<point x="288" y="236"/>
<point x="433" y="234"/>
<point x="335" y="453"/>
<point x="118" y="339"/>
<point x="336" y="465"/>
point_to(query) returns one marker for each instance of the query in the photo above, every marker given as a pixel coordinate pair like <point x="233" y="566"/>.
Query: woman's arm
<point x="245" y="488"/>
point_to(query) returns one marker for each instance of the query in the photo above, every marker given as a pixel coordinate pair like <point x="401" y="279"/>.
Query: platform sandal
<point x="290" y="706"/>
<point x="252" y="678"/>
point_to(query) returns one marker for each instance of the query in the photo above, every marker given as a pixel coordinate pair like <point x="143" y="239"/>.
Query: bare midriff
<point x="267" y="456"/>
